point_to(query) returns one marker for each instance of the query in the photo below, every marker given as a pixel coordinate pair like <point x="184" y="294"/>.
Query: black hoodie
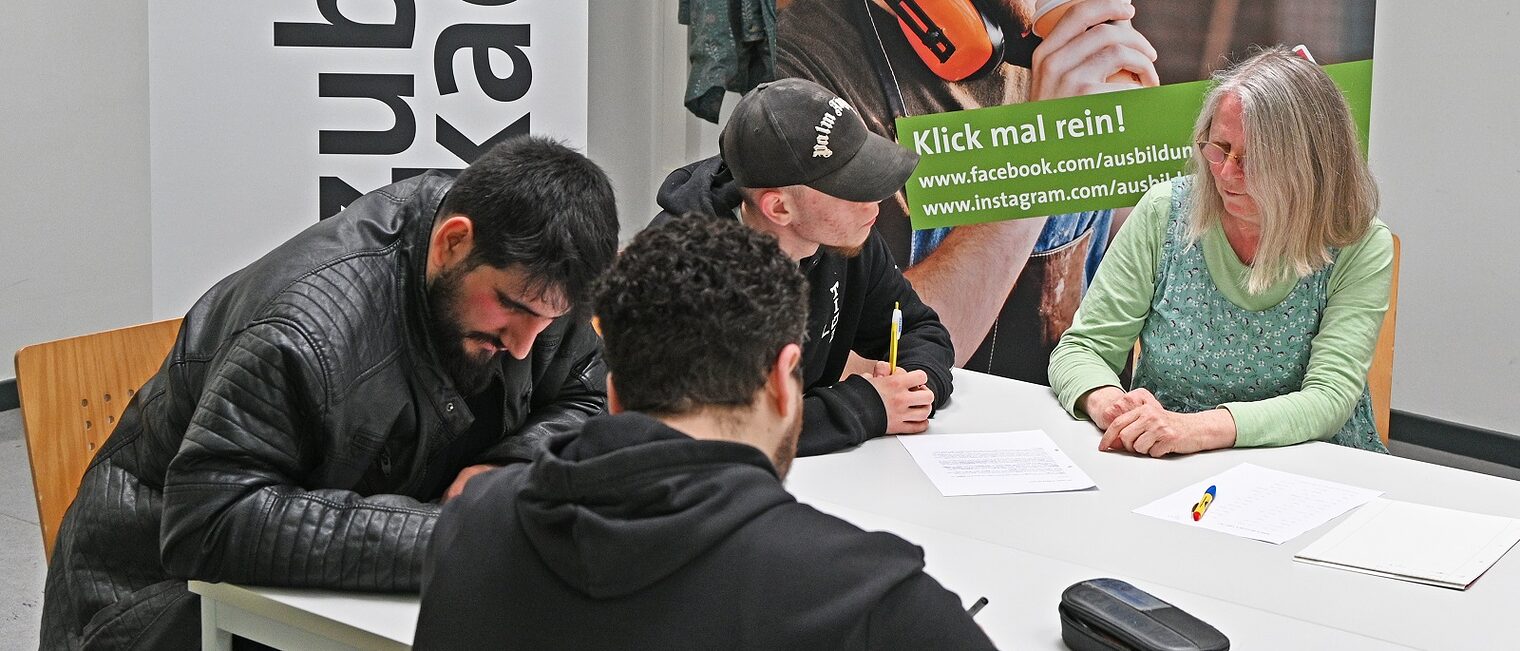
<point x="849" y="308"/>
<point x="632" y="535"/>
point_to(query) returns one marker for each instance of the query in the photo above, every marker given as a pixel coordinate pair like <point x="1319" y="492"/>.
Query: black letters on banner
<point x="391" y="89"/>
<point x="459" y="144"/>
<point x="339" y="31"/>
<point x="333" y="195"/>
<point x="386" y="88"/>
<point x="510" y="39"/>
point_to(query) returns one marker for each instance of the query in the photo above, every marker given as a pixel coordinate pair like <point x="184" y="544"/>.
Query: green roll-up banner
<point x="1066" y="155"/>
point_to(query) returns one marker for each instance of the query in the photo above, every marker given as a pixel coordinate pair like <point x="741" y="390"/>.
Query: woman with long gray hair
<point x="1255" y="283"/>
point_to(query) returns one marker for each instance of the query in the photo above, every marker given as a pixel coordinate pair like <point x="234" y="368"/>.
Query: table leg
<point x="213" y="638"/>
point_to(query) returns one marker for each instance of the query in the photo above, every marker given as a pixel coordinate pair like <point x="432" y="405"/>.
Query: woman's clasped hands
<point x="1135" y="421"/>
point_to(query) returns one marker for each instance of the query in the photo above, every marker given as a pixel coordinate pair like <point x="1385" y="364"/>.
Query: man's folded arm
<point x="235" y="507"/>
<point x="840" y="416"/>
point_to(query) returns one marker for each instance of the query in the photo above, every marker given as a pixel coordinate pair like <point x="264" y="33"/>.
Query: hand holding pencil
<point x="904" y="394"/>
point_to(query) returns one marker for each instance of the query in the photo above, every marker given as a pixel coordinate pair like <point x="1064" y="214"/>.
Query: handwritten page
<point x="995" y="463"/>
<point x="1260" y="503"/>
<point x="1415" y="542"/>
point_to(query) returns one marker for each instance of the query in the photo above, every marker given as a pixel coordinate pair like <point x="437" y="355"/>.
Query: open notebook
<point x="1415" y="542"/>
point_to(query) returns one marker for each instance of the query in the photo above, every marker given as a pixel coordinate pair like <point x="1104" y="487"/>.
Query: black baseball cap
<point x="795" y="132"/>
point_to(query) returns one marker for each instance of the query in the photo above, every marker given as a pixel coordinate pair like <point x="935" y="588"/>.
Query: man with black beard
<point x="798" y="163"/>
<point x="320" y="403"/>
<point x="665" y="524"/>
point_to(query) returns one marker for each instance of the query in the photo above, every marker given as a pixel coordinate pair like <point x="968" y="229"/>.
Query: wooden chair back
<point x="1380" y="375"/>
<point x="72" y="393"/>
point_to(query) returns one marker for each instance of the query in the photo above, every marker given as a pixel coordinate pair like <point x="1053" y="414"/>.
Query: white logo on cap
<point x="826" y="127"/>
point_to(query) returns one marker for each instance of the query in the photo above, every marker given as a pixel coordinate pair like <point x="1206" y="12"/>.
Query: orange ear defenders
<point x="955" y="38"/>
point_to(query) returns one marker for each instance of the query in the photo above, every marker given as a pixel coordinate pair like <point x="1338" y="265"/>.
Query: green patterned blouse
<point x="1290" y="363"/>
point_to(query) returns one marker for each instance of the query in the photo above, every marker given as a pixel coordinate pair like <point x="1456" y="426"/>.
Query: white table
<point x="1020" y="551"/>
<point x="1023" y="588"/>
<point x="1096" y="528"/>
<point x="315" y="620"/>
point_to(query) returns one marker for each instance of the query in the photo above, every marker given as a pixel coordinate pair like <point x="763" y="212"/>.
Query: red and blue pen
<point x="1203" y="504"/>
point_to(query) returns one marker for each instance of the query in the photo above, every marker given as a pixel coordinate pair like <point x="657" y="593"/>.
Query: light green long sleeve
<point x="1119" y="301"/>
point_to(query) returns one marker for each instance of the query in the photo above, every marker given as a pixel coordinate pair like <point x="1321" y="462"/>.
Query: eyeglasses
<point x="1216" y="154"/>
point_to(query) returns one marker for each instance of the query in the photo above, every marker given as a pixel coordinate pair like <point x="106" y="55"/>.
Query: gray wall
<point x="1445" y="146"/>
<point x="639" y="130"/>
<point x="73" y="169"/>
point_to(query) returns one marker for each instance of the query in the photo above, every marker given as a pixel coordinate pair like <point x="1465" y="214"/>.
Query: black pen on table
<point x="976" y="607"/>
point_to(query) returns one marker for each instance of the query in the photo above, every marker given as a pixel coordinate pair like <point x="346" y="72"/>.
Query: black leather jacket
<point x="296" y="433"/>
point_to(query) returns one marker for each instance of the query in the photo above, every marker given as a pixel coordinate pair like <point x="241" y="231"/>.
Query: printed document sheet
<point x="1415" y="542"/>
<point x="995" y="463"/>
<point x="1260" y="503"/>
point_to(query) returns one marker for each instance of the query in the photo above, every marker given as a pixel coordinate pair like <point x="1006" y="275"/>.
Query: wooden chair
<point x="1380" y="375"/>
<point x="72" y="392"/>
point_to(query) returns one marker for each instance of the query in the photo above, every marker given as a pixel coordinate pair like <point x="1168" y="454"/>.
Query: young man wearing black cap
<point x="665" y="525"/>
<point x="797" y="162"/>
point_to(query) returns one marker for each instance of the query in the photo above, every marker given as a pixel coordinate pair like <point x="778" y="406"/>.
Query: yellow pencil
<point x="896" y="332"/>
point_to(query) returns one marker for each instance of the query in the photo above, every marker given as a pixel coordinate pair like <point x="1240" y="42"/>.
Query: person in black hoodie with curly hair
<point x="665" y="524"/>
<point x="798" y="163"/>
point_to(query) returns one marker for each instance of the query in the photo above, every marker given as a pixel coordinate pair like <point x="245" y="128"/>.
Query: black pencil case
<point x="1111" y="615"/>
